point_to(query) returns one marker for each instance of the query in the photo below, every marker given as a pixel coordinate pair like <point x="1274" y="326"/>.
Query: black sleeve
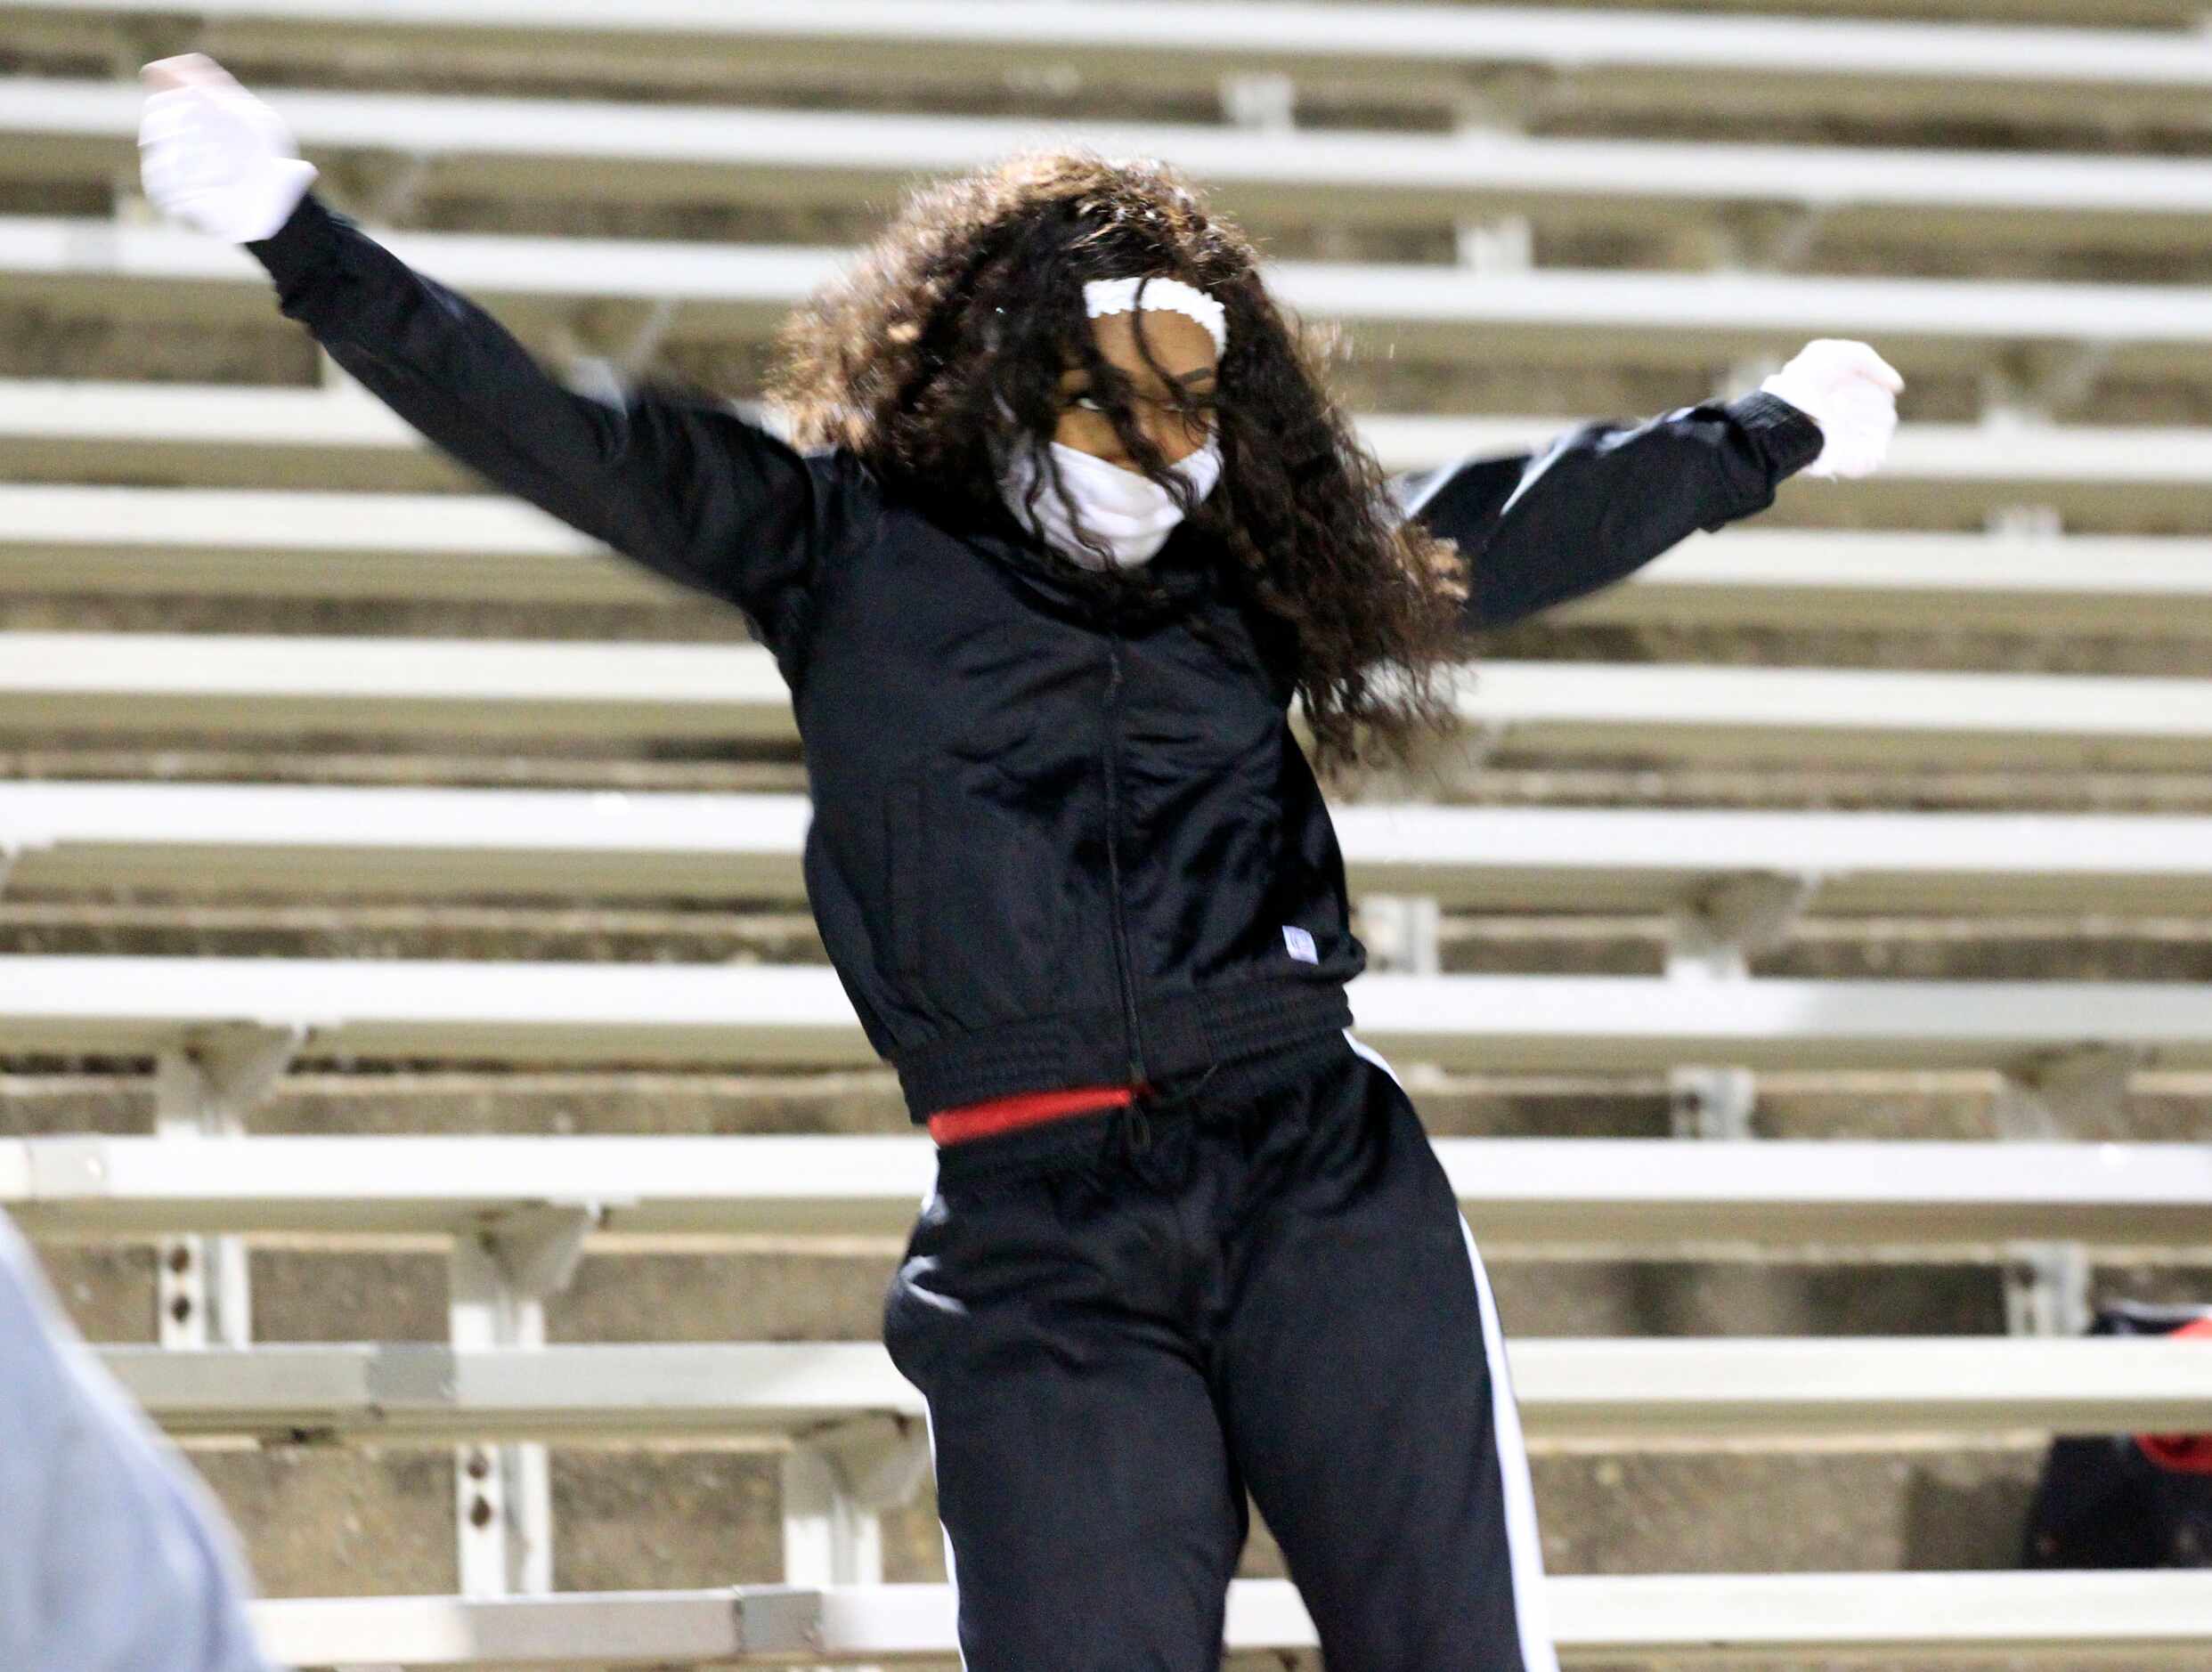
<point x="683" y="485"/>
<point x="1606" y="500"/>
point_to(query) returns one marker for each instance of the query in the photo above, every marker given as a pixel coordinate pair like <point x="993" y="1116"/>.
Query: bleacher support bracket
<point x="202" y="1090"/>
<point x="1715" y="938"/>
<point x="2057" y="1097"/>
<point x="503" y="1498"/>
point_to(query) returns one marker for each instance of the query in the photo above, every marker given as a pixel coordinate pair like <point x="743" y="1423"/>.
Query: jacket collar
<point x="1183" y="574"/>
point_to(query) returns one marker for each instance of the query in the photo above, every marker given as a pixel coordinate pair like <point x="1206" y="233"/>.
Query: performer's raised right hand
<point x="213" y="156"/>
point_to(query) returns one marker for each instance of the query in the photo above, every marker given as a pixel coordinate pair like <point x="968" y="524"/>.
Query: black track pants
<point x="1122" y="1322"/>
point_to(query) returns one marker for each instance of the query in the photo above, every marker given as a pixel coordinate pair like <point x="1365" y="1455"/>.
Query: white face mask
<point x="1130" y="514"/>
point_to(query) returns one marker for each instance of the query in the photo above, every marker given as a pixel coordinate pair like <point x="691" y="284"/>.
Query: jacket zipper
<point x="1113" y="864"/>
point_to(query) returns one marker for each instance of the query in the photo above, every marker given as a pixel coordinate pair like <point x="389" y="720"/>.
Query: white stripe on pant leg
<point x="1524" y="1545"/>
<point x="1374" y="1057"/>
<point x="952" y="1576"/>
<point x="929" y="1431"/>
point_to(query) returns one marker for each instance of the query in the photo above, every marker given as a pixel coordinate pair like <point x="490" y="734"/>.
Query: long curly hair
<point x="943" y="347"/>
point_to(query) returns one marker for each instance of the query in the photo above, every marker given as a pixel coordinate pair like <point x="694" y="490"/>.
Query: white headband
<point x="1119" y="296"/>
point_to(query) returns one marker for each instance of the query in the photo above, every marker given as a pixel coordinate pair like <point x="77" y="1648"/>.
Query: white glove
<point x="214" y="157"/>
<point x="1851" y="393"/>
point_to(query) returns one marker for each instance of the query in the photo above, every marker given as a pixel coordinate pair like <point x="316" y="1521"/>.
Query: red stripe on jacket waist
<point x="1026" y="1108"/>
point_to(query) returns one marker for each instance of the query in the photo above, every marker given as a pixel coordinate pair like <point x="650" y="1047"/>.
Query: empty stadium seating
<point x="401" y="1009"/>
<point x="275" y="687"/>
<point x="716" y="292"/>
<point x="395" y="546"/>
<point x="280" y="840"/>
<point x="83" y="130"/>
<point x="245" y="437"/>
<point x="1607" y="209"/>
<point x="1595" y="57"/>
<point x="1742" y="1392"/>
<point x="1851" y="1199"/>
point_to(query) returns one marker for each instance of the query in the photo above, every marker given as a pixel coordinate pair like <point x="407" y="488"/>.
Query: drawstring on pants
<point x="1135" y="1139"/>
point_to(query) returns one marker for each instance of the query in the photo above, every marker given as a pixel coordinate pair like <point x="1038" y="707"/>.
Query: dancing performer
<point x="1065" y="524"/>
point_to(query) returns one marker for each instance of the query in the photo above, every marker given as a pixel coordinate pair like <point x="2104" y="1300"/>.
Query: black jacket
<point x="1051" y="847"/>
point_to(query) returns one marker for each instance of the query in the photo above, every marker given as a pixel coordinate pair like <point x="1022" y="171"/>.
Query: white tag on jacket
<point x="1299" y="944"/>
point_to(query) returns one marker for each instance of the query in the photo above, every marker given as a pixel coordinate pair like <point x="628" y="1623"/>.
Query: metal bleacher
<point x="1625" y="1392"/>
<point x="279" y="685"/>
<point x="1715" y="161"/>
<point x="281" y="840"/>
<point x="83" y="130"/>
<point x="1604" y="58"/>
<point x="402" y="1009"/>
<point x="2032" y="1617"/>
<point x="709" y="292"/>
<point x="1557" y="1195"/>
<point x="217" y="542"/>
<point x="1852" y="1199"/>
<point x="844" y="1403"/>
<point x="71" y="433"/>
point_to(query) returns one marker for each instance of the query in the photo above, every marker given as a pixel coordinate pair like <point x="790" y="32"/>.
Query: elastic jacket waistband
<point x="1181" y="1034"/>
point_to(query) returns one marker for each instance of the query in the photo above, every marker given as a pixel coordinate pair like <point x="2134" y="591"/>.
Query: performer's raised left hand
<point x="1851" y="393"/>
